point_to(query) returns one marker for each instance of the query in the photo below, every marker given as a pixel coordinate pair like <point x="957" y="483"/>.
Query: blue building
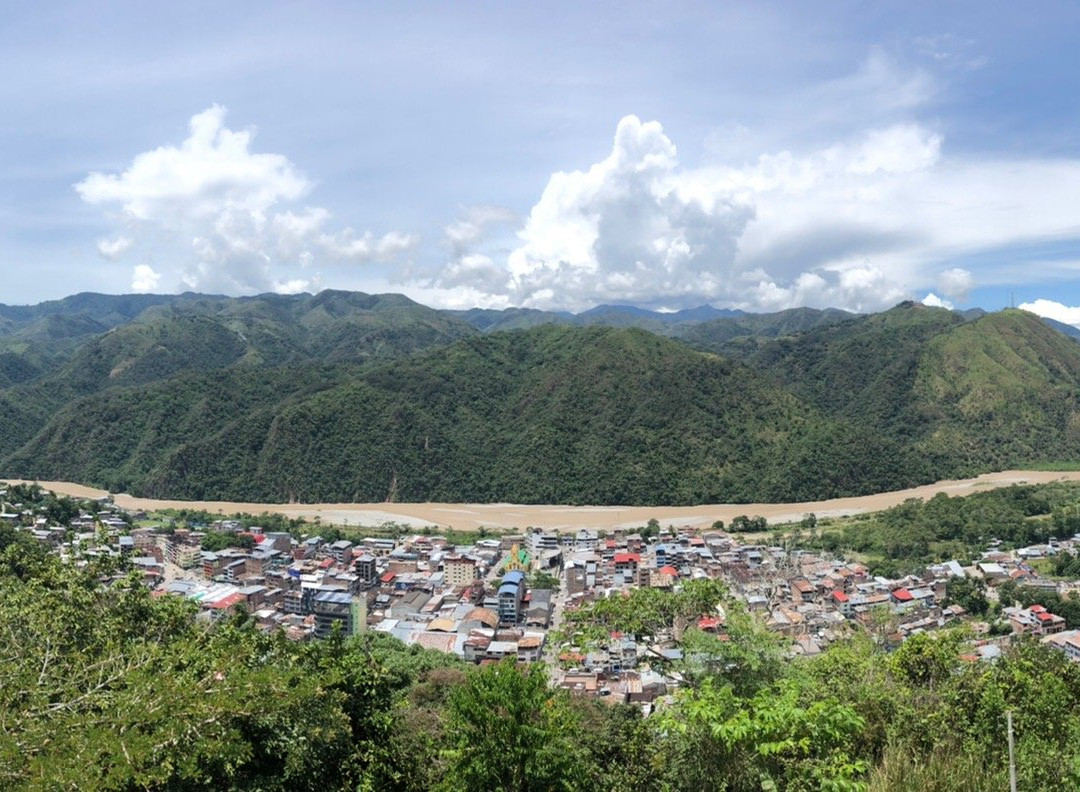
<point x="511" y="597"/>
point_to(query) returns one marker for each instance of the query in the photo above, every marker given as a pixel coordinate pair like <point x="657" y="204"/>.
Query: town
<point x="516" y="595"/>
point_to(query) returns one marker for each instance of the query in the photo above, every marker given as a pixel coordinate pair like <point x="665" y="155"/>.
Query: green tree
<point x="512" y="733"/>
<point x="969" y="593"/>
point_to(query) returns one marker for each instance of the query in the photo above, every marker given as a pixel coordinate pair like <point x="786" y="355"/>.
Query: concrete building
<point x="330" y="608"/>
<point x="460" y="571"/>
<point x="511" y="597"/>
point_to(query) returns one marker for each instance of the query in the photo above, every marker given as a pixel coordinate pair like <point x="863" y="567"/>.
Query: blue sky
<point x="556" y="155"/>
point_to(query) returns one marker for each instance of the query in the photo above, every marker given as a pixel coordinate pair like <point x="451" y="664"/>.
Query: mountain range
<point x="344" y="396"/>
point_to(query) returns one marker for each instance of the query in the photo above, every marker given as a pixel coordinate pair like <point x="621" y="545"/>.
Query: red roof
<point x="708" y="623"/>
<point x="1037" y="609"/>
<point x="903" y="595"/>
<point x="227" y="602"/>
<point x="327" y="563"/>
<point x="626" y="558"/>
<point x="610" y="544"/>
<point x="840" y="596"/>
<point x="669" y="570"/>
<point x="388" y="577"/>
<point x="1044" y="616"/>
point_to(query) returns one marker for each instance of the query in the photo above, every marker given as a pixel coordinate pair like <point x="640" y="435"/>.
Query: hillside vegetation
<point x="353" y="397"/>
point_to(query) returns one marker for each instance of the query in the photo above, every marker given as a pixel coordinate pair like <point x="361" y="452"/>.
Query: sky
<point x="552" y="155"/>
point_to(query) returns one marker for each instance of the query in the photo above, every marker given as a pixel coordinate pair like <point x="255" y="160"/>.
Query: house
<point x="1067" y="642"/>
<point x="585" y="539"/>
<point x="530" y="648"/>
<point x="538" y="610"/>
<point x="626" y="567"/>
<point x="843" y="603"/>
<point x="1035" y="620"/>
<point x="901" y="599"/>
<point x="993" y="572"/>
<point x="341" y="551"/>
<point x="497" y="650"/>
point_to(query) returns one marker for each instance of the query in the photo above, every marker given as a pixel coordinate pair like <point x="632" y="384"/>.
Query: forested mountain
<point x="349" y="396"/>
<point x="191" y="334"/>
<point x="661" y="322"/>
<point x="967" y="396"/>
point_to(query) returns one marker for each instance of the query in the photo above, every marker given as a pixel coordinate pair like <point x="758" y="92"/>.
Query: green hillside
<point x="965" y="396"/>
<point x="554" y="414"/>
<point x="45" y="368"/>
<point x="348" y="396"/>
<point x="998" y="391"/>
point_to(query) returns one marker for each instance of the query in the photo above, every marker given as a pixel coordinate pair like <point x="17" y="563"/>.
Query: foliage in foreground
<point x="109" y="688"/>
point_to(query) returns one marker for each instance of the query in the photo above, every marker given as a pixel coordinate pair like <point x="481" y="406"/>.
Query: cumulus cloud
<point x="113" y="249"/>
<point x="860" y="224"/>
<point x="219" y="213"/>
<point x="1051" y="309"/>
<point x="956" y="283"/>
<point x="638" y="227"/>
<point x="934" y="301"/>
<point x="144" y="278"/>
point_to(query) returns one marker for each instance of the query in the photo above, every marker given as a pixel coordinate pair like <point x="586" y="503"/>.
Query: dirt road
<point x="470" y="516"/>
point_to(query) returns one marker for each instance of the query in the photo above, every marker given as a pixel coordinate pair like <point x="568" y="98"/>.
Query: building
<point x="330" y="608"/>
<point x="183" y="554"/>
<point x="460" y="571"/>
<point x="1035" y="620"/>
<point x="511" y="597"/>
<point x="626" y="565"/>
<point x="538" y="613"/>
<point x="366" y="569"/>
<point x="341" y="551"/>
<point x="1067" y="642"/>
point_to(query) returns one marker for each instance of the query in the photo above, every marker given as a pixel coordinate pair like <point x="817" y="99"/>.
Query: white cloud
<point x="218" y="213"/>
<point x="934" y="301"/>
<point x="144" y="278"/>
<point x="474" y="225"/>
<point x="294" y="286"/>
<point x="1054" y="310"/>
<point x="637" y="227"/>
<point x="113" y="249"/>
<point x="956" y="283"/>
<point x="861" y="224"/>
<point x="367" y="247"/>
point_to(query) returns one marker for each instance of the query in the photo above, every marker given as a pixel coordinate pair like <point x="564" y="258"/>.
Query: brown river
<point x="470" y="516"/>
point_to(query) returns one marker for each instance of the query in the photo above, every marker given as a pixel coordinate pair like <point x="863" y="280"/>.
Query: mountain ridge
<point x="346" y="396"/>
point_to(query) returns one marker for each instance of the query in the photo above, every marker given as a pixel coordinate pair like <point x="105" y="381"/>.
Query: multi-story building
<point x="330" y="608"/>
<point x="460" y="570"/>
<point x="366" y="569"/>
<point x="511" y="597"/>
<point x="183" y="554"/>
<point x="341" y="551"/>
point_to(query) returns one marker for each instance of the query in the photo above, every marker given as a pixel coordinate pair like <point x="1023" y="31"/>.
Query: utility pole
<point x="1012" y="755"/>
